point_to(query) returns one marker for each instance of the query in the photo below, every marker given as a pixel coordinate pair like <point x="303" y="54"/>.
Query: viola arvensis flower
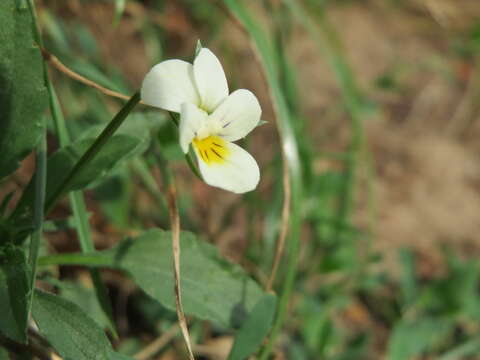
<point x="210" y="118"/>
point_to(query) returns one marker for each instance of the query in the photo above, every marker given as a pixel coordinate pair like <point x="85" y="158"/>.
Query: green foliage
<point x="412" y="338"/>
<point x="285" y="122"/>
<point x="23" y="96"/>
<point x="120" y="148"/>
<point x="117" y="149"/>
<point x="331" y="303"/>
<point x="254" y="329"/>
<point x="228" y="298"/>
<point x="14" y="293"/>
<point x="74" y="334"/>
<point x="85" y="299"/>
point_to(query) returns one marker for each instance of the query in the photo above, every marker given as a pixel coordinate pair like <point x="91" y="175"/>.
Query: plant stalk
<point x="92" y="151"/>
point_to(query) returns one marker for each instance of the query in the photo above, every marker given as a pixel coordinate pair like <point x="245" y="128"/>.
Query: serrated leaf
<point x="212" y="288"/>
<point x="71" y="331"/>
<point x="254" y="329"/>
<point x="23" y="96"/>
<point x="14" y="291"/>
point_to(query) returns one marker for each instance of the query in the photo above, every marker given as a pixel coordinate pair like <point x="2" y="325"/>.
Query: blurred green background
<point x="382" y="98"/>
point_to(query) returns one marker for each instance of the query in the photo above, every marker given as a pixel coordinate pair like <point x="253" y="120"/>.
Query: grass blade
<point x="80" y="214"/>
<point x="268" y="58"/>
<point x="329" y="46"/>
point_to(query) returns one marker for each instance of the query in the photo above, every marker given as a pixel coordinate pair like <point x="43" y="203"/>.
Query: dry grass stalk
<point x="175" y="228"/>
<point x="57" y="64"/>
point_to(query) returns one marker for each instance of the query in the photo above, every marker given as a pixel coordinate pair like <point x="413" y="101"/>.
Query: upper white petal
<point x="237" y="115"/>
<point x="191" y="120"/>
<point x="169" y="84"/>
<point x="239" y="173"/>
<point x="210" y="79"/>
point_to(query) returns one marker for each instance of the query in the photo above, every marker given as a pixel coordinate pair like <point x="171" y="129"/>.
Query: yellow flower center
<point x="212" y="149"/>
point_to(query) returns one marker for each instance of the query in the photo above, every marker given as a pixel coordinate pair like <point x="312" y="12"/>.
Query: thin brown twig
<point x="283" y="225"/>
<point x="175" y="228"/>
<point x="57" y="64"/>
<point x="156" y="345"/>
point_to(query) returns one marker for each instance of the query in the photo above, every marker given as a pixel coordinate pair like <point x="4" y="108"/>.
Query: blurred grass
<point x="340" y="303"/>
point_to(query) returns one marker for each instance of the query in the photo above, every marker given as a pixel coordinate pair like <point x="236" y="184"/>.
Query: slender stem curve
<point x="92" y="151"/>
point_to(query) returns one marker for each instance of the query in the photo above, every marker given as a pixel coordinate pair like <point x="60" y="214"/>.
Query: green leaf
<point x="254" y="329"/>
<point x="23" y="96"/>
<point x="120" y="147"/>
<point x="70" y="331"/>
<point x="3" y="354"/>
<point x="86" y="300"/>
<point x="412" y="338"/>
<point x="138" y="126"/>
<point x="268" y="55"/>
<point x="14" y="291"/>
<point x="408" y="279"/>
<point x="212" y="288"/>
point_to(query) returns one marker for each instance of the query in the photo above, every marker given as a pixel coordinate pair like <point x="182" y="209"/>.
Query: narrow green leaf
<point x="3" y="354"/>
<point x="138" y="126"/>
<point x="70" y="331"/>
<point x="79" y="209"/>
<point x="254" y="329"/>
<point x="212" y="288"/>
<point x="328" y="43"/>
<point x="14" y="293"/>
<point x="38" y="212"/>
<point x="269" y="59"/>
<point x="22" y="92"/>
<point x="59" y="165"/>
<point x="408" y="279"/>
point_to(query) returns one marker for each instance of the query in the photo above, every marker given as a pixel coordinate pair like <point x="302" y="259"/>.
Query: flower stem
<point x="93" y="150"/>
<point x="188" y="156"/>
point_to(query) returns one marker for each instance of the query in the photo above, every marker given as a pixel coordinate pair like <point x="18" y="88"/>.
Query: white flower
<point x="210" y="118"/>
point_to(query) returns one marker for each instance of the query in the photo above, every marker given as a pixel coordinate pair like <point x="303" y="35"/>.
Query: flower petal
<point x="210" y="80"/>
<point x="237" y="115"/>
<point x="191" y="119"/>
<point x="170" y="84"/>
<point x="238" y="173"/>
